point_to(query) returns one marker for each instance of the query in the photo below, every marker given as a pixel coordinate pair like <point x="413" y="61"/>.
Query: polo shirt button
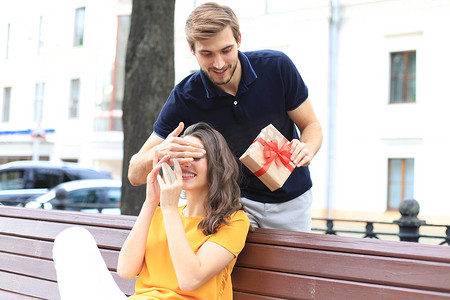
<point x="235" y="102"/>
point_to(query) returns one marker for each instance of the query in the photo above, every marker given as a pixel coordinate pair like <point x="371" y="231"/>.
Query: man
<point x="239" y="94"/>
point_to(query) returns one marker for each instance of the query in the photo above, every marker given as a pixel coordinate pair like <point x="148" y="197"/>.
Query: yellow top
<point x="157" y="279"/>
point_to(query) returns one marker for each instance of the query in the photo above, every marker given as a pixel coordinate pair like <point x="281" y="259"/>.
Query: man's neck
<point x="232" y="86"/>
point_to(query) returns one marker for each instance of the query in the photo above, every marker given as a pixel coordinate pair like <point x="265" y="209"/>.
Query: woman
<point x="188" y="251"/>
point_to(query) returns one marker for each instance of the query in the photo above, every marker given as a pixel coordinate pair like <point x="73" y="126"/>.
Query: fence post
<point x="409" y="224"/>
<point x="447" y="237"/>
<point x="369" y="231"/>
<point x="330" y="229"/>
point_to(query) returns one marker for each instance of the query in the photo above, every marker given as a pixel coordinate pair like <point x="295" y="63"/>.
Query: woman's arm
<point x="192" y="269"/>
<point x="131" y="256"/>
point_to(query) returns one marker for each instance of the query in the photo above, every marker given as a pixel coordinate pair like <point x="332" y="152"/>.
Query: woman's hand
<point x="131" y="257"/>
<point x="170" y="185"/>
<point x="153" y="189"/>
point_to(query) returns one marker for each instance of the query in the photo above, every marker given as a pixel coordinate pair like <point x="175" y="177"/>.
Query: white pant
<point x="294" y="215"/>
<point x="81" y="271"/>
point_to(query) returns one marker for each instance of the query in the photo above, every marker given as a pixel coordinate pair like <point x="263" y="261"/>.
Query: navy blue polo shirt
<point x="270" y="86"/>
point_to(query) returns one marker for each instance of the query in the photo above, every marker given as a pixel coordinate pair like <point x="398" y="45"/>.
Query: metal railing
<point x="408" y="226"/>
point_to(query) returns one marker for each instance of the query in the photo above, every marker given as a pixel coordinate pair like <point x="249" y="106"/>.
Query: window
<point x="400" y="181"/>
<point x="403" y="77"/>
<point x="81" y="199"/>
<point x="113" y="196"/>
<point x="78" y="37"/>
<point x="8" y="38"/>
<point x="6" y="104"/>
<point x="119" y="70"/>
<point x="74" y="98"/>
<point x="39" y="101"/>
<point x="45" y="178"/>
<point x="11" y="179"/>
<point x="109" y="117"/>
<point x="41" y="36"/>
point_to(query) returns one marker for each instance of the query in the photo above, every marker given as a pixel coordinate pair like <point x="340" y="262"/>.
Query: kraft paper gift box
<point x="268" y="157"/>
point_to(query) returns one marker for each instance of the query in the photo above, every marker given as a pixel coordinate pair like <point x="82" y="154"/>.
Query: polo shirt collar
<point x="248" y="76"/>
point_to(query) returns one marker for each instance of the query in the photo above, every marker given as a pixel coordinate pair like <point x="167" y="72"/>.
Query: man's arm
<point x="311" y="134"/>
<point x="142" y="162"/>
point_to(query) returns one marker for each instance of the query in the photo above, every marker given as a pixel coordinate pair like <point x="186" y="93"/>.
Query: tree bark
<point x="149" y="78"/>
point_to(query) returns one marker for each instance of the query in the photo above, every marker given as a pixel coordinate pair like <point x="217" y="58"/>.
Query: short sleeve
<point x="296" y="91"/>
<point x="233" y="236"/>
<point x="167" y="119"/>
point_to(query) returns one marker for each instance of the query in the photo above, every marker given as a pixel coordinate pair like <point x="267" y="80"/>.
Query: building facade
<point x="376" y="73"/>
<point x="59" y="74"/>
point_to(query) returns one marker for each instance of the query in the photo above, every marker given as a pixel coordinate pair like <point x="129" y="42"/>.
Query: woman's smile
<point x="188" y="175"/>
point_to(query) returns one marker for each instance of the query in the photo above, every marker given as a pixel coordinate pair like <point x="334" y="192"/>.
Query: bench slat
<point x="291" y="286"/>
<point x="64" y="216"/>
<point x="247" y="296"/>
<point x="49" y="230"/>
<point x="45" y="289"/>
<point x="355" y="267"/>
<point x="350" y="244"/>
<point x="6" y="295"/>
<point x="24" y="246"/>
<point x="126" y="285"/>
<point x="33" y="267"/>
<point x="27" y="247"/>
<point x="43" y="249"/>
<point x="29" y="286"/>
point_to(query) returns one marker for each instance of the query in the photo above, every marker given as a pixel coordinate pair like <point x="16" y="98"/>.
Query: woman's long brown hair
<point x="223" y="176"/>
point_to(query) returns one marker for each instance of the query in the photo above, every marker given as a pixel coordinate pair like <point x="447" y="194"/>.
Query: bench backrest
<point x="274" y="264"/>
<point x="293" y="265"/>
<point x="26" y="241"/>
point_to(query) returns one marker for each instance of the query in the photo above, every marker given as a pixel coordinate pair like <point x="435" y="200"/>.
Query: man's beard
<point x="233" y="69"/>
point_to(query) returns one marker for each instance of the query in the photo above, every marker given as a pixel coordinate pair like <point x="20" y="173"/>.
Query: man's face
<point x="218" y="57"/>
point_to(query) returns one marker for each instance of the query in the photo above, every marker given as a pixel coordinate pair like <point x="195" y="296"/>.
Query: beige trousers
<point x="294" y="215"/>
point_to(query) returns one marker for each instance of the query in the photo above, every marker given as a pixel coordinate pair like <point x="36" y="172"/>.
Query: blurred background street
<point x="377" y="73"/>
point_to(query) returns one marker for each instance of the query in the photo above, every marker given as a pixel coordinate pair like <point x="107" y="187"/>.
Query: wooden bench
<point x="273" y="265"/>
<point x="26" y="242"/>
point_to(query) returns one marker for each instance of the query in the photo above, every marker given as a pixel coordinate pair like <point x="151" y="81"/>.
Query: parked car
<point x="22" y="180"/>
<point x="89" y="195"/>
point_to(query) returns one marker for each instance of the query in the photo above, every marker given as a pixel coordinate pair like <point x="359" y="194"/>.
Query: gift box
<point x="268" y="157"/>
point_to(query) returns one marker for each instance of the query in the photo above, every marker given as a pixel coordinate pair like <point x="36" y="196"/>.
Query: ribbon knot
<point x="274" y="152"/>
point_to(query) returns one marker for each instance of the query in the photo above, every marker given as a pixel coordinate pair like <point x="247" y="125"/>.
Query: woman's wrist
<point x="150" y="204"/>
<point x="169" y="211"/>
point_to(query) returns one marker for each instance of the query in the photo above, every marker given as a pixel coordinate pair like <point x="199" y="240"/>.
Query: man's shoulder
<point x="267" y="59"/>
<point x="192" y="80"/>
<point x="189" y="86"/>
<point x="265" y="54"/>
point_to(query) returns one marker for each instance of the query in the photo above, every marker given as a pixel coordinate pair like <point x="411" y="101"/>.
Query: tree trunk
<point x="149" y="78"/>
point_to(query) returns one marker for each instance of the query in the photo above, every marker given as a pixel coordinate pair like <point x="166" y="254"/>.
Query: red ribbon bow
<point x="272" y="151"/>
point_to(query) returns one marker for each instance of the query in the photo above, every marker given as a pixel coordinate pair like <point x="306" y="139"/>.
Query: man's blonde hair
<point x="207" y="20"/>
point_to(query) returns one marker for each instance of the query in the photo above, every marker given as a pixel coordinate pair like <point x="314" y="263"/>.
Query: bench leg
<point x="80" y="268"/>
